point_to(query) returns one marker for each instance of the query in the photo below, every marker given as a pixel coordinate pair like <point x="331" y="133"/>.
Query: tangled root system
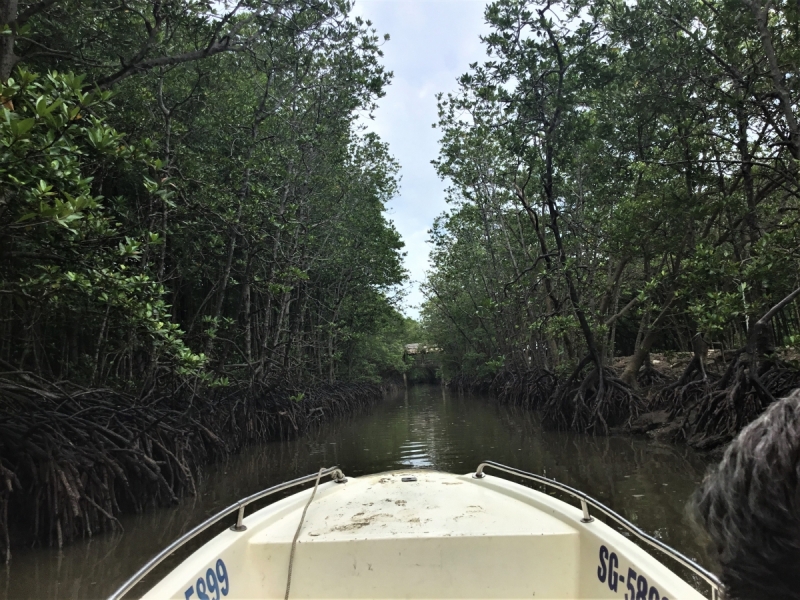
<point x="597" y="403"/>
<point x="689" y="387"/>
<point x="650" y="377"/>
<point x="529" y="389"/>
<point x="73" y="459"/>
<point x="470" y="383"/>
<point x="712" y="410"/>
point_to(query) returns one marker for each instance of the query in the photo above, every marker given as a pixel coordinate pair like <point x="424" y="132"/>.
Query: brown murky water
<point x="646" y="482"/>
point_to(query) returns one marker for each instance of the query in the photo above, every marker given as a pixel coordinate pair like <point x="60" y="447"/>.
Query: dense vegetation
<point x="192" y="232"/>
<point x="217" y="212"/>
<point x="624" y="180"/>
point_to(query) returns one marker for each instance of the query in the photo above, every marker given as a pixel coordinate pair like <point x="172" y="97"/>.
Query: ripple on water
<point x="415" y="455"/>
<point x="424" y="428"/>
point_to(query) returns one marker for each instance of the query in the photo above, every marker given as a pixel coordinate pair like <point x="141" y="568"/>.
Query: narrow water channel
<point x="427" y="428"/>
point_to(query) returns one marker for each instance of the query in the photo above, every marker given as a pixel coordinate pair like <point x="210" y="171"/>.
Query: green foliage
<point x="77" y="264"/>
<point x="223" y="218"/>
<point x="622" y="175"/>
<point x="379" y="356"/>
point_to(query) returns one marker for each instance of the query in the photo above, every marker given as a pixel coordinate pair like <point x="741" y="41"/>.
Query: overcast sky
<point x="432" y="43"/>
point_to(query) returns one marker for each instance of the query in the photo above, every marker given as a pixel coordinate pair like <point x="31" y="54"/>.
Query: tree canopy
<point x="187" y="192"/>
<point x="624" y="177"/>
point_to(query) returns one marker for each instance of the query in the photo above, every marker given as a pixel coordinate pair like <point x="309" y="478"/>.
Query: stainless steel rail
<point x="587" y="501"/>
<point x="338" y="477"/>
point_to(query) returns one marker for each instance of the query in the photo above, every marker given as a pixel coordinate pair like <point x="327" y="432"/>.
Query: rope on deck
<point x="297" y="535"/>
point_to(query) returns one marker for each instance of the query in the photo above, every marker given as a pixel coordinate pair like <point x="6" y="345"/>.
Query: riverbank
<point x="73" y="460"/>
<point x="676" y="398"/>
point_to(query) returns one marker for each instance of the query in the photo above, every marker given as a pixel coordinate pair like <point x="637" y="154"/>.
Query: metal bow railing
<point x="338" y="477"/>
<point x="587" y="501"/>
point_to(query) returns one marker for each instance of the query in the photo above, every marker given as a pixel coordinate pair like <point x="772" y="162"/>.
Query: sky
<point x="432" y="42"/>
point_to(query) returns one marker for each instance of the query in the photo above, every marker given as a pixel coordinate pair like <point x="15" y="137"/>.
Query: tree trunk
<point x="226" y="272"/>
<point x="247" y="312"/>
<point x="642" y="351"/>
<point x="761" y="17"/>
<point x="8" y="16"/>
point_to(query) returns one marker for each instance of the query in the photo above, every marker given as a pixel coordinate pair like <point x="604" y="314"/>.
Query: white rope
<point x="297" y="535"/>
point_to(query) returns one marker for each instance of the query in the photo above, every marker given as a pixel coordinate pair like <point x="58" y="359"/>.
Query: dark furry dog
<point x="750" y="506"/>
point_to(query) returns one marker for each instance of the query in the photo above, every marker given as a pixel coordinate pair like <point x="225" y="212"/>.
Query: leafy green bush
<point x="70" y="274"/>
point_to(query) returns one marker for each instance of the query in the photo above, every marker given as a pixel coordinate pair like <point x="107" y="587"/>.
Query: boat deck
<point x="435" y="505"/>
<point x="440" y="536"/>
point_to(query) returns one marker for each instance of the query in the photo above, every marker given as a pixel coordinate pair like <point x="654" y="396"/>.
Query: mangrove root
<point x="73" y="459"/>
<point x="599" y="402"/>
<point x="529" y="389"/>
<point x="712" y="412"/>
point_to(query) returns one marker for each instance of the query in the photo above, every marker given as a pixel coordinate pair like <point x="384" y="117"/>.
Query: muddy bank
<point x="72" y="460"/>
<point x="676" y="396"/>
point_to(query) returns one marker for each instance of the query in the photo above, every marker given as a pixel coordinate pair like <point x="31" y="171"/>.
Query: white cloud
<point x="432" y="43"/>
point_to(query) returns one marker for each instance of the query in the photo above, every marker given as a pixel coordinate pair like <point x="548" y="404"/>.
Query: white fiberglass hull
<point x="441" y="536"/>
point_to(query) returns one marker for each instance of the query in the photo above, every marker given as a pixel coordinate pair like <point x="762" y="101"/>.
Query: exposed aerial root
<point x="529" y="389"/>
<point x="781" y="379"/>
<point x="692" y="384"/>
<point x="73" y="459"/>
<point x="597" y="403"/>
<point x="650" y="377"/>
<point x="469" y="383"/>
<point x="713" y="411"/>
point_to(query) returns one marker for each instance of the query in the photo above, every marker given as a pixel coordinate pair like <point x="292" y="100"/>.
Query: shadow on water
<point x="426" y="427"/>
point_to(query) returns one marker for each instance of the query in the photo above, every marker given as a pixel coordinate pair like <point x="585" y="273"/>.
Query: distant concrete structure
<point x="421" y="349"/>
<point x="424" y="364"/>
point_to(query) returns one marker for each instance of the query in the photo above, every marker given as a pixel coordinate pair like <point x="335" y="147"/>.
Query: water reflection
<point x="427" y="427"/>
